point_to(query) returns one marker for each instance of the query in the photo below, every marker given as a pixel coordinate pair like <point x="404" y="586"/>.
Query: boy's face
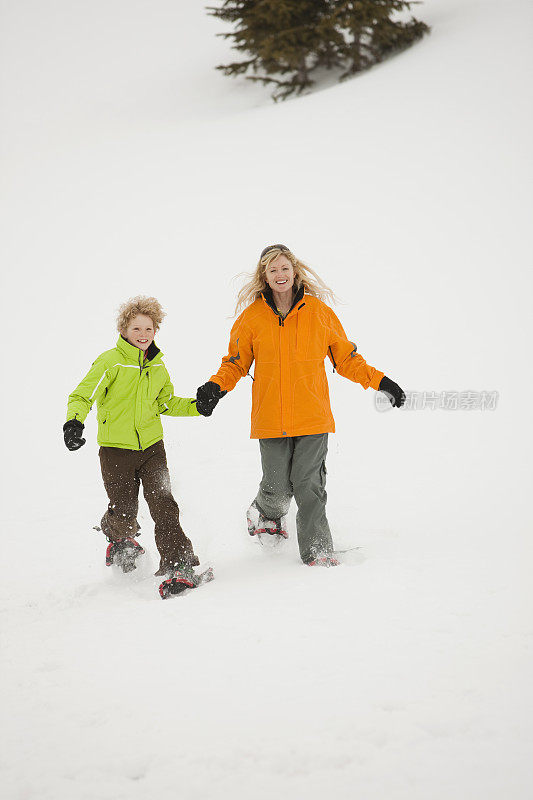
<point x="140" y="332"/>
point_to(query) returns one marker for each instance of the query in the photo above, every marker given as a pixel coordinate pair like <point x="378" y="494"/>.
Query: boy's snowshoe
<point x="323" y="561"/>
<point x="269" y="532"/>
<point x="182" y="579"/>
<point x="123" y="553"/>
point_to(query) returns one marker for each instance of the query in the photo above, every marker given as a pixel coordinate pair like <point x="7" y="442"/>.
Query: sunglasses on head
<point x="270" y="247"/>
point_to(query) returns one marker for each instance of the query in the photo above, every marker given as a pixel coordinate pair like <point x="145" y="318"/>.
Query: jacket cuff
<point x="73" y="421"/>
<point x="376" y="379"/>
<point x="219" y="382"/>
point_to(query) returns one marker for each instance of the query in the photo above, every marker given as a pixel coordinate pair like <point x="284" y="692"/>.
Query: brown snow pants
<point x="123" y="471"/>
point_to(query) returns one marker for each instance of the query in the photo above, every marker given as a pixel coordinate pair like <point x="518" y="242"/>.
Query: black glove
<point x="394" y="392"/>
<point x="207" y="396"/>
<point x="72" y="431"/>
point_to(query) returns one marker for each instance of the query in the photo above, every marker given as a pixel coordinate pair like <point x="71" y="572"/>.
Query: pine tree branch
<point x="294" y="38"/>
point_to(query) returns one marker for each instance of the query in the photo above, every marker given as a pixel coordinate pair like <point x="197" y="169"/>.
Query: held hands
<point x="72" y="431"/>
<point x="207" y="396"/>
<point x="395" y="394"/>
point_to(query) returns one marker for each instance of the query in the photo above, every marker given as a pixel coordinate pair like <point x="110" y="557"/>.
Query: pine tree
<point x="281" y="36"/>
<point x="287" y="40"/>
<point x="371" y="31"/>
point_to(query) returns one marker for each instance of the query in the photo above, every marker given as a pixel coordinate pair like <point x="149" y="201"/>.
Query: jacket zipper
<point x="281" y="325"/>
<point x="141" y="361"/>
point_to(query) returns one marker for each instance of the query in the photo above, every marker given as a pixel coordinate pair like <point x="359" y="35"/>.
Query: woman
<point x="288" y="330"/>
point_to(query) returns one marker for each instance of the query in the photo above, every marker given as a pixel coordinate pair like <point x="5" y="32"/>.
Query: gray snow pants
<point x="296" y="467"/>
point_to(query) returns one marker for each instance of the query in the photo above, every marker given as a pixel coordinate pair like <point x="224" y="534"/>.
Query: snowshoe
<point x="123" y="553"/>
<point x="182" y="579"/>
<point x="269" y="532"/>
<point x="323" y="561"/>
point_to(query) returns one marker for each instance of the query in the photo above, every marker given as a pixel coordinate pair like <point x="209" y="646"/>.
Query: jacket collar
<point x="269" y="299"/>
<point x="132" y="353"/>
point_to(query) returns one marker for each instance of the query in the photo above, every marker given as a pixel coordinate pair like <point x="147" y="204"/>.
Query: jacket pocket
<point x="103" y="424"/>
<point x="302" y="336"/>
<point x="308" y="403"/>
<point x="265" y="346"/>
<point x="260" y="391"/>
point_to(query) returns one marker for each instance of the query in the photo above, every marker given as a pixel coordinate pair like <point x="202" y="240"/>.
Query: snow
<point x="131" y="166"/>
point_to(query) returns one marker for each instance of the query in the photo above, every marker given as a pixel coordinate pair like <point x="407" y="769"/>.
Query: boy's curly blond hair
<point x="140" y="305"/>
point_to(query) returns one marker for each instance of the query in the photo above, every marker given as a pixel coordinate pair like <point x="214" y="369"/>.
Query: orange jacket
<point x="290" y="395"/>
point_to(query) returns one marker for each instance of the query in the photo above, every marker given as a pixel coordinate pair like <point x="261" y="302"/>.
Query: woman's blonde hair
<point x="140" y="305"/>
<point x="303" y="276"/>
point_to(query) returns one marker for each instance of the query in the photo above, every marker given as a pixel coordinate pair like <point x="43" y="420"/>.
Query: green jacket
<point x="130" y="395"/>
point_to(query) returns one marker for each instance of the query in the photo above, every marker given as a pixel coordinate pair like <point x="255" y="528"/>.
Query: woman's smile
<point x="280" y="274"/>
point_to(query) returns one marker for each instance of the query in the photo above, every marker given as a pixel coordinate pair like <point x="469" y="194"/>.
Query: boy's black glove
<point x="207" y="396"/>
<point x="395" y="394"/>
<point x="72" y="431"/>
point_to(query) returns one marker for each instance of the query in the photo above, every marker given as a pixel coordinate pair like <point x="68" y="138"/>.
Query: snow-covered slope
<point x="129" y="166"/>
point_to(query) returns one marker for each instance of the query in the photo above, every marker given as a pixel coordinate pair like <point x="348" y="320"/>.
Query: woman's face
<point x="280" y="274"/>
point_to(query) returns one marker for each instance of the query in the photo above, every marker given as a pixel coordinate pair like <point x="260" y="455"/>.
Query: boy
<point x="132" y="388"/>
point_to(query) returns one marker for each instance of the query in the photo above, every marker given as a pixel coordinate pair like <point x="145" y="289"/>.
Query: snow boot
<point x="323" y="561"/>
<point x="123" y="553"/>
<point x="182" y="578"/>
<point x="268" y="531"/>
